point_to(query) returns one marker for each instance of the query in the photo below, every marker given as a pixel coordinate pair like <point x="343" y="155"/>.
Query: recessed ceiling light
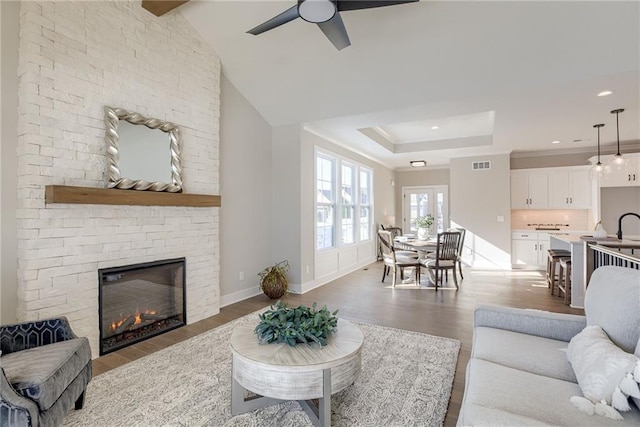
<point x="418" y="163"/>
<point x="435" y="127"/>
<point x="555" y="142"/>
<point x="605" y="93"/>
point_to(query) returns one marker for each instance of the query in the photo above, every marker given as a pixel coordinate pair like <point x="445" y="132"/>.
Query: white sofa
<point x="519" y="374"/>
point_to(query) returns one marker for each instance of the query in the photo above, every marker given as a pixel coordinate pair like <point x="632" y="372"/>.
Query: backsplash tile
<point x="577" y="219"/>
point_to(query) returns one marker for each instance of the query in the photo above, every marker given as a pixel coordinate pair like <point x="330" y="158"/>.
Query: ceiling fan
<point x="325" y="13"/>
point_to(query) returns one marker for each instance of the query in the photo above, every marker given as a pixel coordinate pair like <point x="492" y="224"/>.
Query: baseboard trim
<point x="238" y="296"/>
<point x="306" y="287"/>
<point x="294" y="288"/>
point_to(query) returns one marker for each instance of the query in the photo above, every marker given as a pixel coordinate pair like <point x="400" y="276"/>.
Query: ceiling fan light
<point x="316" y="11"/>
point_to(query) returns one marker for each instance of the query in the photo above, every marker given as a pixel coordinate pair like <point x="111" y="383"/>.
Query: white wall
<point x="616" y="201"/>
<point x="75" y="58"/>
<point x="286" y="200"/>
<point x="245" y="185"/>
<point x="9" y="18"/>
<point x="385" y="187"/>
<point x="477" y="198"/>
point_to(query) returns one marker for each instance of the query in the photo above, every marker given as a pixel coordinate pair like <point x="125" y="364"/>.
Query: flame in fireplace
<point x="137" y="316"/>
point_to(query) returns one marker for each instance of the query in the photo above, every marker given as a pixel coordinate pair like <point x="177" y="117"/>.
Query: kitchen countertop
<point x="610" y="240"/>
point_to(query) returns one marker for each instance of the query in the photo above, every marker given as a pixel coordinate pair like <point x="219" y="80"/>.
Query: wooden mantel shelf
<point x="112" y="196"/>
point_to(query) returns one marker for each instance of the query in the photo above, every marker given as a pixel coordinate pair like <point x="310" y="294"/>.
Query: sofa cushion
<point x="499" y="395"/>
<point x="538" y="355"/>
<point x="599" y="364"/>
<point x="617" y="287"/>
<point x="43" y="373"/>
<point x="637" y="353"/>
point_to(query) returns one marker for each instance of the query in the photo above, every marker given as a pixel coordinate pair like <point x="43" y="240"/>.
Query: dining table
<point x="412" y="244"/>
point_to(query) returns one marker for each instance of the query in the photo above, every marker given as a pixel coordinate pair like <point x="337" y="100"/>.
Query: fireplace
<point x="140" y="301"/>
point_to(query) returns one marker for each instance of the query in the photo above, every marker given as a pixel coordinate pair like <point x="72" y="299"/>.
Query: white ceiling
<point x="536" y="66"/>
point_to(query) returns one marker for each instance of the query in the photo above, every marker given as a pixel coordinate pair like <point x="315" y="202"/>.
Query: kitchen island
<point x="576" y="243"/>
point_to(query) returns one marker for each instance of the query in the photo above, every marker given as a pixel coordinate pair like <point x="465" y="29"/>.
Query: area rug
<point x="406" y="380"/>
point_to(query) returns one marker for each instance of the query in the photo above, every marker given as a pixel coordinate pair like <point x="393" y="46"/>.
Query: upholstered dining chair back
<point x="386" y="245"/>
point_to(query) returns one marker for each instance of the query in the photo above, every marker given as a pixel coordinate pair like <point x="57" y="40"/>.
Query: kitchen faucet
<point x="620" y="223"/>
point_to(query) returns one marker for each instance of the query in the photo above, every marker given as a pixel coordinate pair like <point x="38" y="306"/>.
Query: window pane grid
<point x="365" y="219"/>
<point x="347" y="233"/>
<point x="325" y="202"/>
<point x="346" y="217"/>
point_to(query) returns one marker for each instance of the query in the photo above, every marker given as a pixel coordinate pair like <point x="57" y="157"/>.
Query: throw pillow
<point x="605" y="373"/>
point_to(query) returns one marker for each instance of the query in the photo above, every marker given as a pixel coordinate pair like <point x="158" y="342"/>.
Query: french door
<point x="426" y="200"/>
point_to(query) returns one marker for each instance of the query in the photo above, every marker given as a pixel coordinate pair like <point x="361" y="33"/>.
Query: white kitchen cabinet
<point x="629" y="176"/>
<point x="529" y="189"/>
<point x="569" y="188"/>
<point x="529" y="249"/>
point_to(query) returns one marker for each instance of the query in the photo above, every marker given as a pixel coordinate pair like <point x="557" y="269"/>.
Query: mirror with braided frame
<point x="142" y="153"/>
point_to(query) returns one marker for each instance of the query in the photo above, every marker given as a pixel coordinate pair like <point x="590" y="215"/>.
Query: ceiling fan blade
<point x="344" y="5"/>
<point x="336" y="32"/>
<point x="286" y="16"/>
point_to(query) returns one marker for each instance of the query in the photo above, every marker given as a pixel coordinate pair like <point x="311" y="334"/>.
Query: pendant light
<point x="597" y="170"/>
<point x="617" y="162"/>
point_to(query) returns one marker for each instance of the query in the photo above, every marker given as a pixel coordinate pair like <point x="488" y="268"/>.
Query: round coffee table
<point x="277" y="372"/>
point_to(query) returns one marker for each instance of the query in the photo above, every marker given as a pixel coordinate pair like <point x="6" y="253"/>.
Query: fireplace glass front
<point x="140" y="301"/>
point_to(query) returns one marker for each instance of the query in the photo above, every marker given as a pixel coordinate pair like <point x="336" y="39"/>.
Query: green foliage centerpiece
<point x="283" y="324"/>
<point x="424" y="221"/>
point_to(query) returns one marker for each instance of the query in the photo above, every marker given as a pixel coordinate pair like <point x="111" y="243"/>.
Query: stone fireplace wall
<point x="75" y="58"/>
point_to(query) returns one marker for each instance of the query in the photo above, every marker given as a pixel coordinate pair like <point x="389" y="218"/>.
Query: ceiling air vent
<point x="480" y="166"/>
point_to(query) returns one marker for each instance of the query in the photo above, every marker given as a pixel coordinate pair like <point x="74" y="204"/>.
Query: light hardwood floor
<point x="361" y="297"/>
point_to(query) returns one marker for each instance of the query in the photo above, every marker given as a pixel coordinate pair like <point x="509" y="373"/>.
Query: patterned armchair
<point x="45" y="370"/>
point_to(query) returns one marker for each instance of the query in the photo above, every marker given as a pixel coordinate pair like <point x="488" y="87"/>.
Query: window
<point x="325" y="202"/>
<point x="347" y="219"/>
<point x="365" y="204"/>
<point x="351" y="208"/>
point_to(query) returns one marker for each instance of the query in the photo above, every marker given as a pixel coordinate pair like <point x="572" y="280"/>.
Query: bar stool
<point x="564" y="279"/>
<point x="553" y="260"/>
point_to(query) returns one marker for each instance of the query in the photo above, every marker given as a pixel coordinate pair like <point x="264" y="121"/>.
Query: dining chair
<point x="396" y="232"/>
<point x="462" y="231"/>
<point x="394" y="261"/>
<point x="445" y="257"/>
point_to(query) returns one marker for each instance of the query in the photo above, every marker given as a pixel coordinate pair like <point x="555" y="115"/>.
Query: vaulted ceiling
<point x="530" y="70"/>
